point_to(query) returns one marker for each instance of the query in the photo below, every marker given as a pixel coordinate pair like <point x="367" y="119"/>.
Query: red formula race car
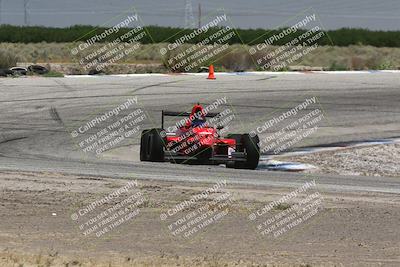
<point x="195" y="141"/>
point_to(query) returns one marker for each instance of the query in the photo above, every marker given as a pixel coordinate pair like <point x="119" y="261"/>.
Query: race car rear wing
<point x="182" y="114"/>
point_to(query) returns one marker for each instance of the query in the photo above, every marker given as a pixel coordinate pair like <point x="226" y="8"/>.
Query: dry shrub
<point x="237" y="60"/>
<point x="358" y="63"/>
<point x="329" y="57"/>
<point x="7" y="59"/>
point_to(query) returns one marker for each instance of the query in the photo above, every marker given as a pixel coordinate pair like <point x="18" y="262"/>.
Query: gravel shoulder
<point x="377" y="160"/>
<point x="37" y="228"/>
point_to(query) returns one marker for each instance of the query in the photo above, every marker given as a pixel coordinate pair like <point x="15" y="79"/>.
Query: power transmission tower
<point x="189" y="17"/>
<point x="26" y="12"/>
<point x="199" y="16"/>
<point x="1" y="11"/>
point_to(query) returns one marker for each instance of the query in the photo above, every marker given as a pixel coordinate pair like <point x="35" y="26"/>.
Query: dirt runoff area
<point x="377" y="160"/>
<point x="52" y="219"/>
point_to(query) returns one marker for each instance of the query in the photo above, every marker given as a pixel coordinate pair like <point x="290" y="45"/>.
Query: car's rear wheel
<point x="152" y="146"/>
<point x="249" y="145"/>
<point x="252" y="149"/>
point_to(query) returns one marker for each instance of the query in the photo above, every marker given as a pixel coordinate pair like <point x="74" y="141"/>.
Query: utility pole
<point x="189" y="17"/>
<point x="1" y="10"/>
<point x="199" y="15"/>
<point x="26" y="12"/>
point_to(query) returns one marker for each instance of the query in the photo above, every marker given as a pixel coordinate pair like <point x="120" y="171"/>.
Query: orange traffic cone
<point x="211" y="75"/>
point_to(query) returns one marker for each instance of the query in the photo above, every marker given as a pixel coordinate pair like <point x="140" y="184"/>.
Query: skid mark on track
<point x="154" y="85"/>
<point x="266" y="78"/>
<point x="12" y="139"/>
<point x="64" y="85"/>
<point x="91" y="96"/>
<point x="55" y="116"/>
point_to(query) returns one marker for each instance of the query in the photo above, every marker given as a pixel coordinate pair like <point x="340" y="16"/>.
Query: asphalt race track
<point x="37" y="116"/>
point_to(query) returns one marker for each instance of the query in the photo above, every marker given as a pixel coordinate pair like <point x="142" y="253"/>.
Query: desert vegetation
<point x="343" y="49"/>
<point x="340" y="37"/>
<point x="237" y="58"/>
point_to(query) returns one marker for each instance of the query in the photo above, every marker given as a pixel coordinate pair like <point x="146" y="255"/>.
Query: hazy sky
<point x="372" y="14"/>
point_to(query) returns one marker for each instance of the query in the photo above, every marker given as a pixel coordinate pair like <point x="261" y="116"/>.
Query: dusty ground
<point x="378" y="160"/>
<point x="36" y="228"/>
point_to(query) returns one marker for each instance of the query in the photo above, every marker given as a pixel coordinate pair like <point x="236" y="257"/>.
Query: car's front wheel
<point x="249" y="145"/>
